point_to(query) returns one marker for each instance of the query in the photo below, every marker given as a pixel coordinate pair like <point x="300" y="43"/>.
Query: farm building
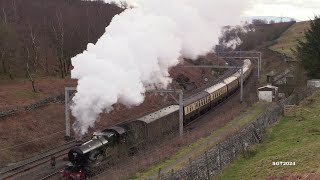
<point x="314" y="83"/>
<point x="268" y="93"/>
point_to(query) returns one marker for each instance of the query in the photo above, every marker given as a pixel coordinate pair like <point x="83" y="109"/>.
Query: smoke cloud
<point x="139" y="47"/>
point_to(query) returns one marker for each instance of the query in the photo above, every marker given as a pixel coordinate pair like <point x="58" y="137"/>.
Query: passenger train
<point x="131" y="135"/>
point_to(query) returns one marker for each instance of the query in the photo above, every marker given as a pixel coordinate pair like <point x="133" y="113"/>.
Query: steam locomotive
<point x="128" y="136"/>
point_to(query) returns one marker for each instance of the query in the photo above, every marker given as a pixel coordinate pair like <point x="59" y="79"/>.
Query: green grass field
<point x="288" y="40"/>
<point x="292" y="139"/>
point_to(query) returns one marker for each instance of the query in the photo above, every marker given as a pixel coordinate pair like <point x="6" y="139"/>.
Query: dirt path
<point x="211" y="140"/>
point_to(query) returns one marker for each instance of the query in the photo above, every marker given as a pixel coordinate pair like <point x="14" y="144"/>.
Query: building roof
<point x="267" y="88"/>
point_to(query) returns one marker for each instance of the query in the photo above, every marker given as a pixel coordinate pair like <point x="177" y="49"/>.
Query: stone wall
<point x="33" y="106"/>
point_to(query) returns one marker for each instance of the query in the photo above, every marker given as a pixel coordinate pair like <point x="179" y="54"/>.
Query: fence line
<point x="212" y="161"/>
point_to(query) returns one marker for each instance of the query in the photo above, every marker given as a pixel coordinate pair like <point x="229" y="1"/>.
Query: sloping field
<point x="292" y="139"/>
<point x="288" y="40"/>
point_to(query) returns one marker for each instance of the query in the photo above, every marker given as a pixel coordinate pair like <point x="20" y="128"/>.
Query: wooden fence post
<point x="172" y="174"/>
<point x="190" y="167"/>
<point x="207" y="165"/>
<point x="159" y="174"/>
<point x="219" y="153"/>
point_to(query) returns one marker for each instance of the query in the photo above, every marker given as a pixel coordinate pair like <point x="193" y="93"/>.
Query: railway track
<point x="51" y="175"/>
<point x="36" y="161"/>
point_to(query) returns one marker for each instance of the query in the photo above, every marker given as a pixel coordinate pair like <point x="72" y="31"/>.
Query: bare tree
<point x="31" y="56"/>
<point x="60" y="30"/>
<point x="59" y="36"/>
<point x="5" y="18"/>
<point x="35" y="49"/>
<point x="7" y="48"/>
<point x="28" y="69"/>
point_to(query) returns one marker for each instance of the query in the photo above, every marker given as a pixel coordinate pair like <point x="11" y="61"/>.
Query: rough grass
<point x="242" y="120"/>
<point x="24" y="94"/>
<point x="288" y="40"/>
<point x="292" y="139"/>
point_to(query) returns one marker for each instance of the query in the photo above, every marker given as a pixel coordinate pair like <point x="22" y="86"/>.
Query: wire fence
<point x="212" y="161"/>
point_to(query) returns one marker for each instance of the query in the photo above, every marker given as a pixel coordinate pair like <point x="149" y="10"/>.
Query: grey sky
<point x="299" y="9"/>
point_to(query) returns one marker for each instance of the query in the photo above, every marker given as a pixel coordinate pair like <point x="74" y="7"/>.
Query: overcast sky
<point x="298" y="9"/>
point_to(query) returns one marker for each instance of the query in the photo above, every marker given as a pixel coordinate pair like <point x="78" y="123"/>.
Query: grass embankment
<point x="292" y="139"/>
<point x="237" y="123"/>
<point x="288" y="39"/>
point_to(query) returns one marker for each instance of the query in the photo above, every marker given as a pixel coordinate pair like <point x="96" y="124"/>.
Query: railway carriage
<point x="217" y="93"/>
<point x="196" y="105"/>
<point x="161" y="122"/>
<point x="151" y="127"/>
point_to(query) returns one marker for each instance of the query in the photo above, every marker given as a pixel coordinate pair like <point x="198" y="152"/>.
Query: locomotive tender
<point x="132" y="134"/>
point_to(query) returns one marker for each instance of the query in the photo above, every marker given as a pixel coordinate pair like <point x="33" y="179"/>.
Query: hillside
<point x="288" y="39"/>
<point x="268" y="19"/>
<point x="292" y="139"/>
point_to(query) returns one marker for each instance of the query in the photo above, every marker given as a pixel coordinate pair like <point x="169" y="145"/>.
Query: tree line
<point x="39" y="37"/>
<point x="308" y="50"/>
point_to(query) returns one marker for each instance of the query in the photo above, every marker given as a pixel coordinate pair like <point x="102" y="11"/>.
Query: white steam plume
<point x="138" y="49"/>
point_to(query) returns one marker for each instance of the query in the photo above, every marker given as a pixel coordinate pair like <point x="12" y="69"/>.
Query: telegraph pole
<point x="181" y="104"/>
<point x="241" y="84"/>
<point x="67" y="110"/>
<point x="181" y="113"/>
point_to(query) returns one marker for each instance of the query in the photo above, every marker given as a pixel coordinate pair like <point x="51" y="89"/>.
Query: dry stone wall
<point x="33" y="106"/>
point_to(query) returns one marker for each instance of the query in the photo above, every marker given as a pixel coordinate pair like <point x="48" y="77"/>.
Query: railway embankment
<point x="289" y="151"/>
<point x="207" y="157"/>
